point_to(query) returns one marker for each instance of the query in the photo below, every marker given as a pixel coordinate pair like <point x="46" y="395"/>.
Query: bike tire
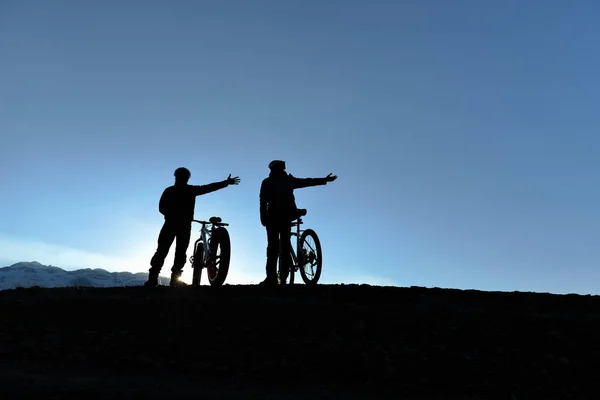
<point x="315" y="260"/>
<point x="292" y="270"/>
<point x="220" y="238"/>
<point x="197" y="264"/>
<point x="290" y="274"/>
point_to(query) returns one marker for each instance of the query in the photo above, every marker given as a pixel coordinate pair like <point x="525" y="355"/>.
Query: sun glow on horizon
<point x="244" y="269"/>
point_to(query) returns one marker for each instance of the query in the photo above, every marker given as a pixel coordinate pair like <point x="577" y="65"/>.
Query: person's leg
<point x="181" y="245"/>
<point x="285" y="259"/>
<point x="272" y="253"/>
<point x="165" y="240"/>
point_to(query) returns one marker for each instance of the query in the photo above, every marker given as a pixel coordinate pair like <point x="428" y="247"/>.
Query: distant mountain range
<point x="28" y="274"/>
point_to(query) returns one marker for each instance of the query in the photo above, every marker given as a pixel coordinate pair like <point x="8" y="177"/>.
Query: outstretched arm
<point x="211" y="187"/>
<point x="306" y="182"/>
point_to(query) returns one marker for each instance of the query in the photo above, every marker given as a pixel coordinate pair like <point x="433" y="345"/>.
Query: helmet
<point x="277" y="164"/>
<point x="182" y="173"/>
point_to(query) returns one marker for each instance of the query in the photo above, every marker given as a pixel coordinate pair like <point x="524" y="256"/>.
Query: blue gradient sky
<point x="464" y="133"/>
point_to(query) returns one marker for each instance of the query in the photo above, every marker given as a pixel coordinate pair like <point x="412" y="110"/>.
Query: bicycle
<point x="307" y="257"/>
<point x="207" y="254"/>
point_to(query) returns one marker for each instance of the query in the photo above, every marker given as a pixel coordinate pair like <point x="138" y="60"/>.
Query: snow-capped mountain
<point x="27" y="274"/>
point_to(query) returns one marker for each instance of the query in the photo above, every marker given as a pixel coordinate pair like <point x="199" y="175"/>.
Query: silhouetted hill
<point x="330" y="341"/>
<point x="28" y="274"/>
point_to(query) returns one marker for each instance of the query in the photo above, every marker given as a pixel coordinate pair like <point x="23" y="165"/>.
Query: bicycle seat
<point x="215" y="220"/>
<point x="301" y="212"/>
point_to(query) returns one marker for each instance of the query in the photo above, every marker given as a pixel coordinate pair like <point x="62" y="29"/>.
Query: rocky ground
<point x="330" y="341"/>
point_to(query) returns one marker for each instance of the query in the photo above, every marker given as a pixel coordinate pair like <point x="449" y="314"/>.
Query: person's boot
<point x="283" y="276"/>
<point x="176" y="280"/>
<point x="152" y="279"/>
<point x="271" y="270"/>
<point x="270" y="281"/>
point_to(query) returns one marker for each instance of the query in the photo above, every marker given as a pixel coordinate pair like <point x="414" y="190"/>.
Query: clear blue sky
<point x="464" y="133"/>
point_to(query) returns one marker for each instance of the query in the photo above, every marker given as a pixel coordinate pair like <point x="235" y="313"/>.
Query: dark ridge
<point x="328" y="341"/>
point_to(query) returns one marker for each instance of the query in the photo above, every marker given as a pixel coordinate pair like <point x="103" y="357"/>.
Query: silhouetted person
<point x="177" y="204"/>
<point x="278" y="210"/>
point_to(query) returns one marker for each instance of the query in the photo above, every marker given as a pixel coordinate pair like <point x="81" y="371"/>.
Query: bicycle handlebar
<point x="208" y="222"/>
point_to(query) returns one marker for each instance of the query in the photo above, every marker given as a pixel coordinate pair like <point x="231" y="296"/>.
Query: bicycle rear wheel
<point x="284" y="274"/>
<point x="310" y="258"/>
<point x="217" y="266"/>
<point x="291" y="273"/>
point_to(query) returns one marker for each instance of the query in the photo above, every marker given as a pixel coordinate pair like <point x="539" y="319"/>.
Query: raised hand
<point x="233" y="181"/>
<point x="330" y="178"/>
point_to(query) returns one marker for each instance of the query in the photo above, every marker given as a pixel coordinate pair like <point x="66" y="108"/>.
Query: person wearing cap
<point x="177" y="205"/>
<point x="278" y="210"/>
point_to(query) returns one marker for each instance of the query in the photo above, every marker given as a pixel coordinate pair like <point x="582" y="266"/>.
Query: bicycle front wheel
<point x="197" y="263"/>
<point x="310" y="258"/>
<point x="218" y="264"/>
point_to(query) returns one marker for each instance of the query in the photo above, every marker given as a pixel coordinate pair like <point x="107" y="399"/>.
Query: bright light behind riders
<point x="246" y="266"/>
<point x="242" y="271"/>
